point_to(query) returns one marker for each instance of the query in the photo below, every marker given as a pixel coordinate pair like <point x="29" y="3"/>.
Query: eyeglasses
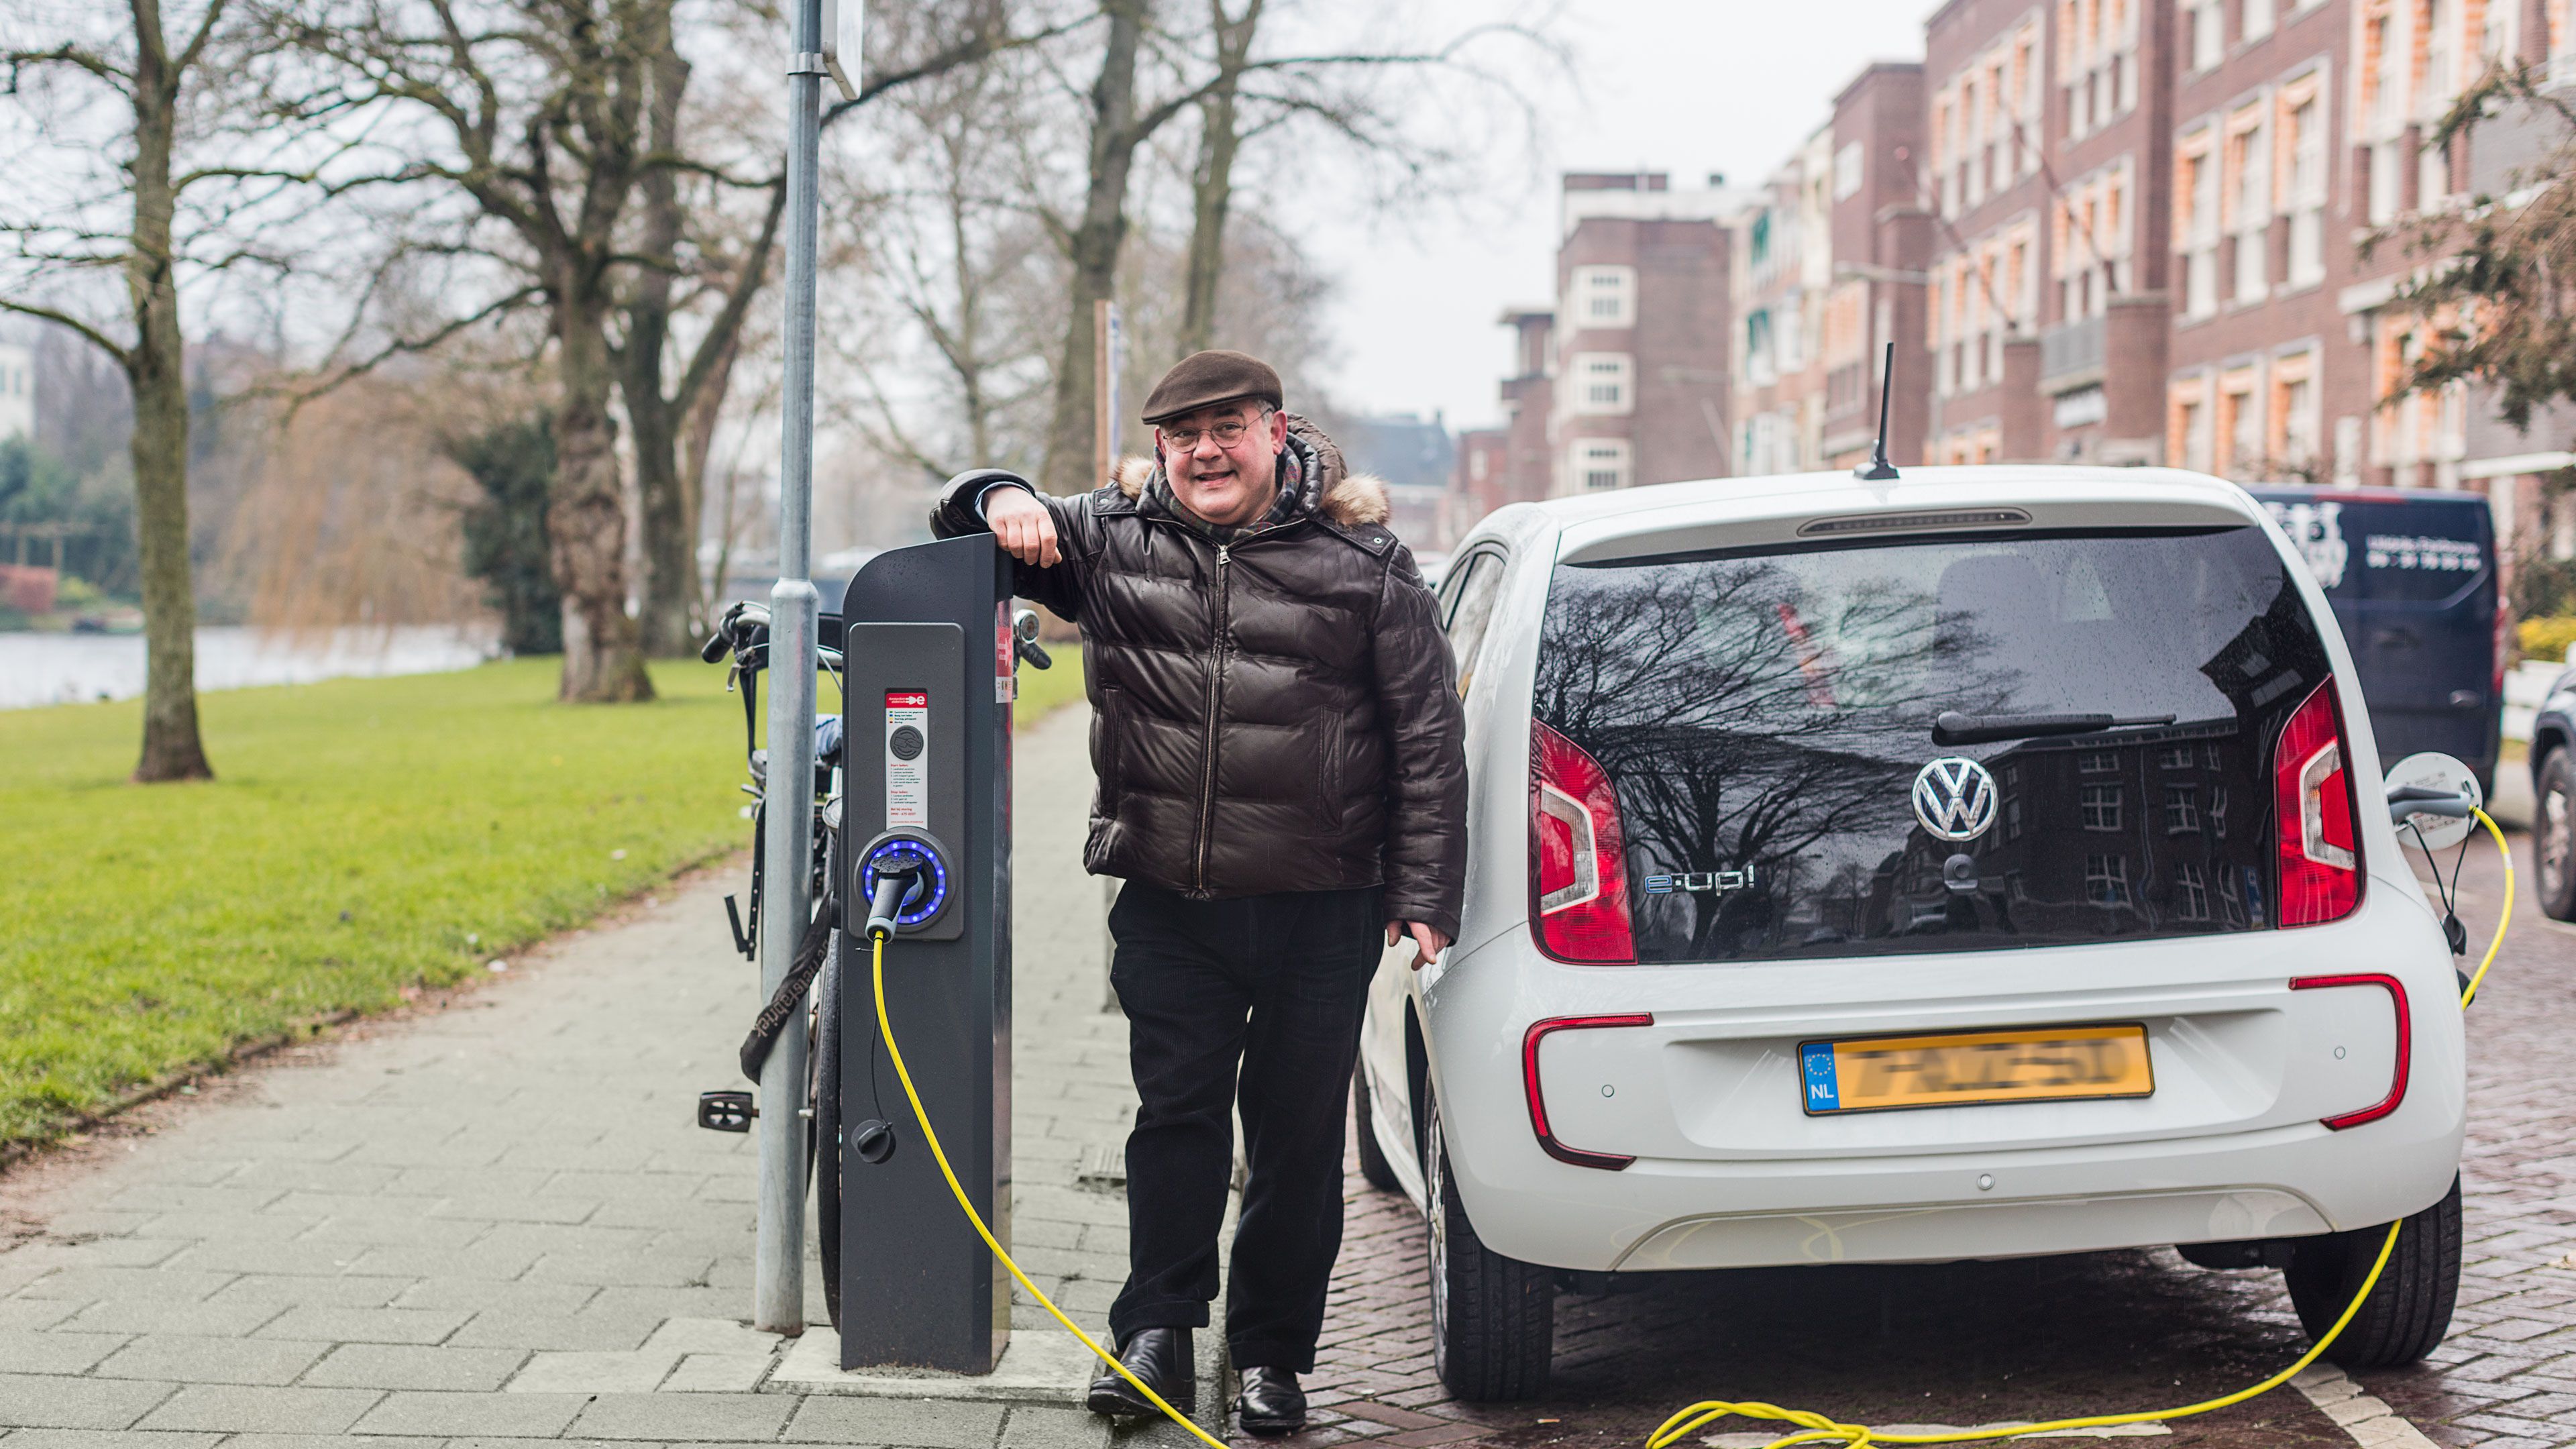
<point x="1227" y="434"/>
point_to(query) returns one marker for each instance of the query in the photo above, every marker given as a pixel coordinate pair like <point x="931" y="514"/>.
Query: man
<point x="1281" y="772"/>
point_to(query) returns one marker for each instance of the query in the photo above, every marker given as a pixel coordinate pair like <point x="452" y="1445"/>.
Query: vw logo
<point x="1955" y="798"/>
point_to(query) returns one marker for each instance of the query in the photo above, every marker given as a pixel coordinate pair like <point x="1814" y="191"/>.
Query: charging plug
<point x="892" y="887"/>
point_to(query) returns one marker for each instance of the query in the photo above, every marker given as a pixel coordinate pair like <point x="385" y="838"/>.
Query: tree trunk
<point x="586" y="522"/>
<point x="1212" y="181"/>
<point x="172" y="749"/>
<point x="1094" y="248"/>
<point x="697" y="439"/>
<point x="670" y="565"/>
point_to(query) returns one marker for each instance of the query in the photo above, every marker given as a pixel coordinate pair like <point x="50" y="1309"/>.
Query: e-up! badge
<point x="907" y="771"/>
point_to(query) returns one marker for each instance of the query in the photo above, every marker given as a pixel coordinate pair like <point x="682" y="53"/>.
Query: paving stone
<point x="290" y="1290"/>
<point x="415" y="1366"/>
<point x="145" y="1315"/>
<point x="26" y="1352"/>
<point x="635" y="1371"/>
<point x="686" y="1417"/>
<point x="22" y="1314"/>
<point x="717" y="1373"/>
<point x="583" y="1332"/>
<point x="264" y="1409"/>
<point x="930" y="1423"/>
<point x="179" y="1358"/>
<point x="97" y="1283"/>
<point x="39" y="1401"/>
<point x="322" y="1324"/>
<point x="452" y="1415"/>
<point x="1032" y="1427"/>
<point x="109" y="1440"/>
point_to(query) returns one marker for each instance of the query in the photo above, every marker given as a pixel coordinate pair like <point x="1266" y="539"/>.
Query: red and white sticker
<point x="1006" y="677"/>
<point x="907" y="759"/>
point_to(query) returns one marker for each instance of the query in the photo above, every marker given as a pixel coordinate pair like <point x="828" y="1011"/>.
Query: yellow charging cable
<point x="2506" y="851"/>
<point x="885" y="1028"/>
<point x="1815" y="1428"/>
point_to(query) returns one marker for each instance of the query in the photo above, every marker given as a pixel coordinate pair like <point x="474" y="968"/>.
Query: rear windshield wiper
<point x="1954" y="728"/>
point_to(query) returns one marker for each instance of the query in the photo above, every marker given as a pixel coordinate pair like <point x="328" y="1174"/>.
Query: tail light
<point x="2313" y="816"/>
<point x="1578" y="863"/>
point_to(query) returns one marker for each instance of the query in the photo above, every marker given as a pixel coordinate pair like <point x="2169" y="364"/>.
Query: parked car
<point x="1989" y="863"/>
<point x="2411" y="576"/>
<point x="2553" y="797"/>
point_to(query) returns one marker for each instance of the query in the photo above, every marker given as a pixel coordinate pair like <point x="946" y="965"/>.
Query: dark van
<point x="2411" y="574"/>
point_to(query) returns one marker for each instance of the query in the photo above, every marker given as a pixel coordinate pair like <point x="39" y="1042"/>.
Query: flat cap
<point x="1204" y="379"/>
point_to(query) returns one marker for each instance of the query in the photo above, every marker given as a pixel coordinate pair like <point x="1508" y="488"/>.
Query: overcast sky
<point x="1681" y="86"/>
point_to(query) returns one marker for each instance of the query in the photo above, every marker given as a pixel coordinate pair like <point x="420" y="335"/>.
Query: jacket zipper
<point x="1215" y="704"/>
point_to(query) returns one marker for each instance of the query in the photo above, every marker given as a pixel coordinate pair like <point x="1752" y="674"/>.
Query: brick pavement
<point x="498" y="1221"/>
<point x="1976" y="1343"/>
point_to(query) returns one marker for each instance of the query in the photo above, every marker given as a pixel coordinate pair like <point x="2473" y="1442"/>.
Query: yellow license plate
<point x="1959" y="1069"/>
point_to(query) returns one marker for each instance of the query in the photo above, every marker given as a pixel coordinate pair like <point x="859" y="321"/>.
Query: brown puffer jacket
<point x="1278" y="714"/>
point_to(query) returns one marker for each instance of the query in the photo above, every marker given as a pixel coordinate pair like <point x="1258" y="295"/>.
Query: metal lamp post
<point x="778" y="1273"/>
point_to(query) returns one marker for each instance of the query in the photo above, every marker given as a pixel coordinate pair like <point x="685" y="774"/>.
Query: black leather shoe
<point x="1162" y="1358"/>
<point x="1271" y="1403"/>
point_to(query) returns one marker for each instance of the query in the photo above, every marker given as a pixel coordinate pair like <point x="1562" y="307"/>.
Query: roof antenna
<point x="1878" y="469"/>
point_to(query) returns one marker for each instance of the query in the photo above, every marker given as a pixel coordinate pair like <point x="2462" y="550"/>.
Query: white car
<point x="1986" y="863"/>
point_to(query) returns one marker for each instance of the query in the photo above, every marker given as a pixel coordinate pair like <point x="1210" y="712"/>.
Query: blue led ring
<point x="920" y="907"/>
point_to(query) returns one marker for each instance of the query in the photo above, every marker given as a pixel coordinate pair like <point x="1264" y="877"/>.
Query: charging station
<point x="928" y="640"/>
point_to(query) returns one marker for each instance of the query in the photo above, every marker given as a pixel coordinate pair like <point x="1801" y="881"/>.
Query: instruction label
<point x="907" y="763"/>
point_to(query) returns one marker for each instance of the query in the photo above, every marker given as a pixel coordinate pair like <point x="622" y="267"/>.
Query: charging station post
<point x="928" y="643"/>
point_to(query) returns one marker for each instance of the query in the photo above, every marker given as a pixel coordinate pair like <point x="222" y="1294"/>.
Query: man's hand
<point x="1022" y="526"/>
<point x="1427" y="943"/>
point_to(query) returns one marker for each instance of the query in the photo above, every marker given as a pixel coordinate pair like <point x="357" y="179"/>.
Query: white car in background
<point x="1983" y="863"/>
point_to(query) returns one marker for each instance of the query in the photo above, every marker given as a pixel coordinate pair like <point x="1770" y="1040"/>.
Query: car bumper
<point x="1728" y="1171"/>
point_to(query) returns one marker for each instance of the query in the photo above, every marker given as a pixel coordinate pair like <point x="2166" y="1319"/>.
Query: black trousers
<point x="1271" y="987"/>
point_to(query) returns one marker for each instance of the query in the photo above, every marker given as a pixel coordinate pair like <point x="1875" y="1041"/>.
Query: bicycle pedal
<point x="726" y="1111"/>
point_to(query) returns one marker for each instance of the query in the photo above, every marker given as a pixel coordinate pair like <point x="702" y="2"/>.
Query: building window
<point x="2106" y="880"/>
<point x="1847" y="171"/>
<point x="2208" y="33"/>
<point x="2097" y="762"/>
<point x="2199" y="229"/>
<point x="2191" y="893"/>
<point x="2242" y="405"/>
<point x="2174" y="757"/>
<point x="1601" y="463"/>
<point x="2182" y="809"/>
<point x="2307" y="193"/>
<point x="2101" y="807"/>
<point x="1604" y="384"/>
<point x="1604" y="297"/>
<point x="2195" y="436"/>
<point x="2249" y="165"/>
<point x="2256" y="21"/>
<point x="2218" y="811"/>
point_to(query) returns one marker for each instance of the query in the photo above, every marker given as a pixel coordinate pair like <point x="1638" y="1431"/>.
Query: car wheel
<point x="1493" y="1319"/>
<point x="1374" y="1168"/>
<point x="2408" y="1310"/>
<point x="2553" y="834"/>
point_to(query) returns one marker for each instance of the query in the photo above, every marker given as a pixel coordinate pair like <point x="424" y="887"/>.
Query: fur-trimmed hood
<point x="1343" y="497"/>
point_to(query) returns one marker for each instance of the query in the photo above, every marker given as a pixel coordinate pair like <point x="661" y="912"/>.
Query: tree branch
<point x="124" y="357"/>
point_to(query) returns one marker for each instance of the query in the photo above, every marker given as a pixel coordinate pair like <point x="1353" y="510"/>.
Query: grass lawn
<point x="364" y="836"/>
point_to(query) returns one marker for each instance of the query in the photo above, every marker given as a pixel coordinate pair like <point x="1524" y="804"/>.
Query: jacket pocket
<point x="1328" y="774"/>
<point x="1108" y="754"/>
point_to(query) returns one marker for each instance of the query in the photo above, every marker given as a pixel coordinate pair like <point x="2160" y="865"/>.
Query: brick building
<point x="1828" y="268"/>
<point x="1623" y="381"/>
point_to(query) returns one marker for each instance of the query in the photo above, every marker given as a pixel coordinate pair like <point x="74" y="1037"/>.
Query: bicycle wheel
<point x="827" y="1126"/>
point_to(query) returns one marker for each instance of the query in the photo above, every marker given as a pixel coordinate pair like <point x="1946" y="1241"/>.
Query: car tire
<point x="1493" y="1319"/>
<point x="2408" y="1310"/>
<point x="1374" y="1168"/>
<point x="2553" y="834"/>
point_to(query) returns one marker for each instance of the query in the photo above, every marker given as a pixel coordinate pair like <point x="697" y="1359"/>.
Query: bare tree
<point x="157" y="89"/>
<point x="535" y="119"/>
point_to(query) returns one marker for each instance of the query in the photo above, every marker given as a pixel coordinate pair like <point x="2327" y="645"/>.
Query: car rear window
<point x="1764" y="716"/>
